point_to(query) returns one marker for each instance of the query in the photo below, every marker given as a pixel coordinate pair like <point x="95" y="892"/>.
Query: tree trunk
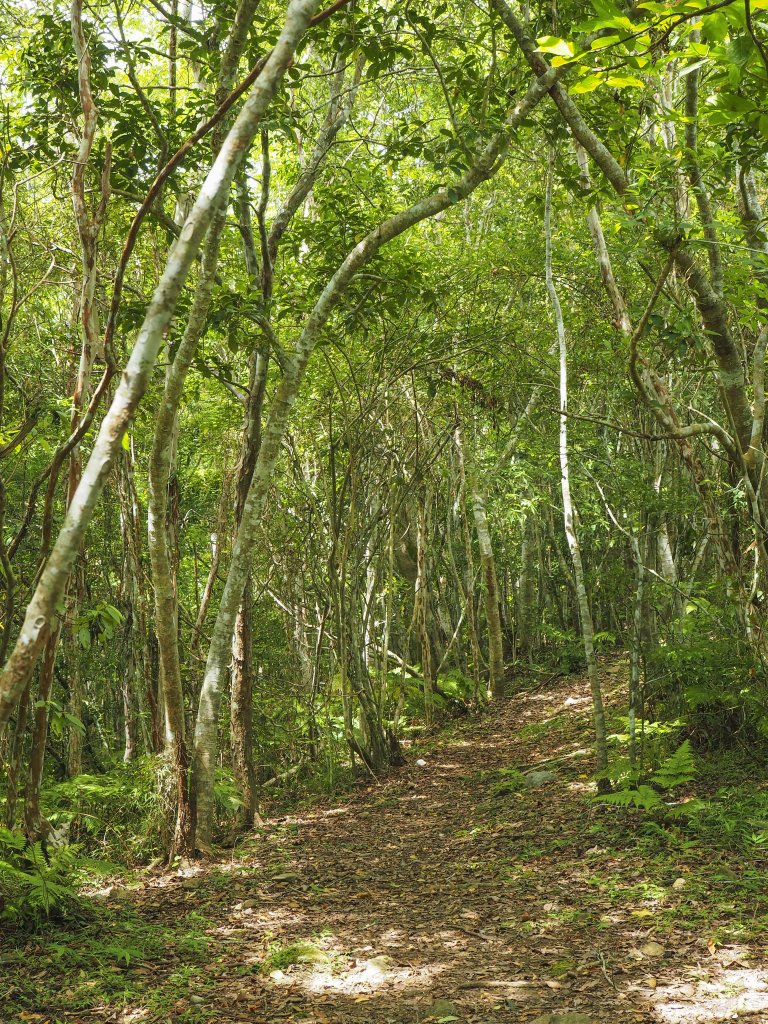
<point x="585" y="612"/>
<point x="496" y="682"/>
<point x="526" y="591"/>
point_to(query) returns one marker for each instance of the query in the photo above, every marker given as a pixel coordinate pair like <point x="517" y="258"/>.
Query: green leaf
<point x="603" y="41"/>
<point x="73" y="722"/>
<point x="733" y="101"/>
<point x="740" y="49"/>
<point x="625" y="82"/>
<point x="553" y="44"/>
<point x="110" y="612"/>
<point x="587" y="84"/>
<point x="714" y="27"/>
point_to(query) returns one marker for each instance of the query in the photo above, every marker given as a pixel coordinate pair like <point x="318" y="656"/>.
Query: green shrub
<point x="36" y="882"/>
<point x="121" y="813"/>
<point x="649" y="795"/>
<point x="711" y="679"/>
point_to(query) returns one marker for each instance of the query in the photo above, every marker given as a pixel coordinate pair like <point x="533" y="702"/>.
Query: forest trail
<point x="432" y="896"/>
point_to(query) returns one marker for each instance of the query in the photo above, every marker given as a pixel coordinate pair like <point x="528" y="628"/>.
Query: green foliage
<point x="452" y="693"/>
<point x="736" y="817"/>
<point x="120" y="813"/>
<point x="512" y="781"/>
<point x="711" y="680"/>
<point x="280" y="956"/>
<point x="564" y="649"/>
<point x="676" y="770"/>
<point x="36" y="882"/>
<point x="226" y="792"/>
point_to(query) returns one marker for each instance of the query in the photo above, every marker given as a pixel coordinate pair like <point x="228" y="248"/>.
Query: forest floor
<point x="431" y="895"/>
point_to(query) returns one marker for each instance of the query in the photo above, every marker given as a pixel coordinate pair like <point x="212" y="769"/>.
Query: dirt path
<point x="434" y="896"/>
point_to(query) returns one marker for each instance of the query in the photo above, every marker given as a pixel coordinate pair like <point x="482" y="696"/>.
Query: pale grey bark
<point x="496" y="687"/>
<point x="43" y="607"/>
<point x="569" y="521"/>
<point x="526" y="591"/>
<point x="464" y="499"/>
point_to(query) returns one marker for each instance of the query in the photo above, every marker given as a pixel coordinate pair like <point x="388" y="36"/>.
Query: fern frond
<point x="678" y="768"/>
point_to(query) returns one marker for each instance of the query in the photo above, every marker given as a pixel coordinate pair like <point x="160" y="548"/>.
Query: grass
<point x="89" y="971"/>
<point x="280" y="957"/>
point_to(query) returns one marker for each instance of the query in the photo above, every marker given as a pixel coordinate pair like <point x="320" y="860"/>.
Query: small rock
<point x="197" y="1000"/>
<point x="421" y="763"/>
<point x="442" y="1008"/>
<point x="652" y="949"/>
<point x="535" y="779"/>
<point x="382" y="962"/>
<point x="249" y="904"/>
<point x="679" y="883"/>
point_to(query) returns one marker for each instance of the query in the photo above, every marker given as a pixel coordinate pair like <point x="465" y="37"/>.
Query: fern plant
<point x="35" y="882"/>
<point x="677" y="770"/>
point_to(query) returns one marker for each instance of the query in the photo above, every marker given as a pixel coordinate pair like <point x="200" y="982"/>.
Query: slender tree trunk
<point x="496" y="687"/>
<point x="636" y="649"/>
<point x="526" y="593"/>
<point x="161" y="548"/>
<point x="585" y="612"/>
<point x="34" y="823"/>
<point x="241" y="710"/>
<point x="421" y="611"/>
<point x="241" y="716"/>
<point x="469" y="571"/>
<point x="15" y="758"/>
